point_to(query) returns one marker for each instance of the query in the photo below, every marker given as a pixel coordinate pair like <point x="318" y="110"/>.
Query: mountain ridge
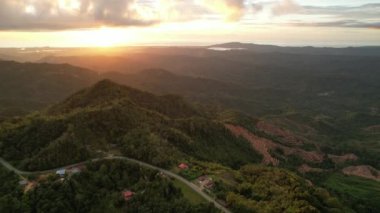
<point x="264" y="48"/>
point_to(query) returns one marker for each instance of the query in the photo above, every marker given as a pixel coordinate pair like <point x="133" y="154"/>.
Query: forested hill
<point x="106" y="93"/>
<point x="108" y="118"/>
<point x="162" y="130"/>
<point x="25" y="87"/>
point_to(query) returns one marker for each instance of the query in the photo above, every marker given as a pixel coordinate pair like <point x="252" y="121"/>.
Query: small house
<point x="183" y="166"/>
<point x="61" y="172"/>
<point x="208" y="184"/>
<point x="23" y="182"/>
<point x="128" y="195"/>
<point x="205" y="182"/>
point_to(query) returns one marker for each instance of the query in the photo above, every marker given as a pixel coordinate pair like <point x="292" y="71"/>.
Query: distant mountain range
<point x="44" y="53"/>
<point x="309" y="50"/>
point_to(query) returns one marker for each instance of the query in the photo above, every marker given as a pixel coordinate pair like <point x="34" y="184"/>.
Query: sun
<point x="105" y="37"/>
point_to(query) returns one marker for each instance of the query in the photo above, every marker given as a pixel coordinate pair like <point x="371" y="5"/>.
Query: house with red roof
<point x="128" y="195"/>
<point x="183" y="166"/>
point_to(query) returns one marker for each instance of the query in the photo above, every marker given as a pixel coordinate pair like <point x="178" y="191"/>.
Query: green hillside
<point x="109" y="118"/>
<point x="26" y="87"/>
<point x="361" y="194"/>
<point x="162" y="130"/>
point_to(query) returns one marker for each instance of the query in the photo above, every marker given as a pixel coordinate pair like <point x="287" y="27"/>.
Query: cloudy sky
<point x="187" y="22"/>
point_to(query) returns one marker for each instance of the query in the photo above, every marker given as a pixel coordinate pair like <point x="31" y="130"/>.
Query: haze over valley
<point x="191" y="106"/>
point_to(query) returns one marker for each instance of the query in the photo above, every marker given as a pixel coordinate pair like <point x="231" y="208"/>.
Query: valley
<point x="254" y="123"/>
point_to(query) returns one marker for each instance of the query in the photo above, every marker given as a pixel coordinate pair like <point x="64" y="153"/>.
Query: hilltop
<point x="158" y="129"/>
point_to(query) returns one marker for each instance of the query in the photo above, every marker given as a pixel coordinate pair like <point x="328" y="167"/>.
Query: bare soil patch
<point x="373" y="129"/>
<point x="264" y="146"/>
<point x="364" y="171"/>
<point x="338" y="159"/>
<point x="286" y="135"/>
<point x="261" y="145"/>
<point x="304" y="168"/>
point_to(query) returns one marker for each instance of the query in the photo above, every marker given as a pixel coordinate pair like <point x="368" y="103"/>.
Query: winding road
<point x="143" y="164"/>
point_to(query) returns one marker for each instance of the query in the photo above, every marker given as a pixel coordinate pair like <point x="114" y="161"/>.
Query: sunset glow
<point x="136" y="22"/>
<point x="103" y="37"/>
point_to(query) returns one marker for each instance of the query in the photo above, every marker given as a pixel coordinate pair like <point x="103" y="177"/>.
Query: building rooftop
<point x="60" y="172"/>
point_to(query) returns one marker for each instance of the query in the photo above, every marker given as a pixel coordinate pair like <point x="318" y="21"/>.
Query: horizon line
<point x="198" y="44"/>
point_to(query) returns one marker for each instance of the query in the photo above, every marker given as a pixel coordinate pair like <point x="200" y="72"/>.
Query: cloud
<point x="69" y="14"/>
<point x="367" y="11"/>
<point x="66" y="14"/>
<point x="343" y="23"/>
<point x="232" y="9"/>
<point x="256" y="8"/>
<point x="27" y="15"/>
<point x="177" y="11"/>
<point x="286" y="7"/>
<point x="362" y="16"/>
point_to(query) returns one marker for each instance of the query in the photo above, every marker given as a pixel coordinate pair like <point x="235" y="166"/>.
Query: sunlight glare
<point x="30" y="9"/>
<point x="105" y="37"/>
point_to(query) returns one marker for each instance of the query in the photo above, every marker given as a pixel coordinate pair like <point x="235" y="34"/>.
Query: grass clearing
<point x="364" y="190"/>
<point x="189" y="193"/>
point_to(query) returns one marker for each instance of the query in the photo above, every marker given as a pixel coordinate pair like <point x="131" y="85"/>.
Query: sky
<point x="104" y="23"/>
